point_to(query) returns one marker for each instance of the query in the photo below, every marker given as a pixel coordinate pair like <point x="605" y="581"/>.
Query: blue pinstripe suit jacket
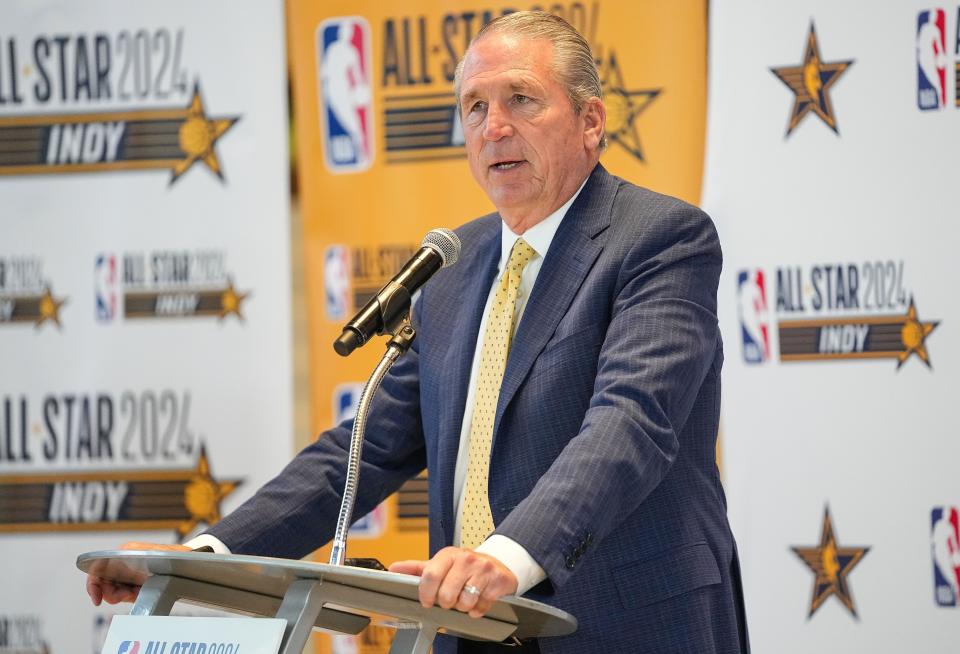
<point x="603" y="463"/>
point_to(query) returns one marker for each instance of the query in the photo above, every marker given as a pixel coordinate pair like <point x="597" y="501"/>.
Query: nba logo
<point x="129" y="647"/>
<point x="105" y="287"/>
<point x="931" y="59"/>
<point x="346" y="93"/>
<point x="945" y="548"/>
<point x="752" y="311"/>
<point x="336" y="281"/>
<point x="371" y="525"/>
<point x="346" y="397"/>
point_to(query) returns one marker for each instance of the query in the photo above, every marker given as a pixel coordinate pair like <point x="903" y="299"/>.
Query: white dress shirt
<point x="506" y="550"/>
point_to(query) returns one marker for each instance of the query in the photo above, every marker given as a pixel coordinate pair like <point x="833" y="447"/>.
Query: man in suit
<point x="563" y="392"/>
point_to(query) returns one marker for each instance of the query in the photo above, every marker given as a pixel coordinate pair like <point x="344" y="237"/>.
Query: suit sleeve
<point x="296" y="512"/>
<point x="659" y="346"/>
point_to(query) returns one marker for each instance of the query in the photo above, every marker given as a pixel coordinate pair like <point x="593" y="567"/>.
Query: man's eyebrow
<point x="518" y="86"/>
<point x="522" y="85"/>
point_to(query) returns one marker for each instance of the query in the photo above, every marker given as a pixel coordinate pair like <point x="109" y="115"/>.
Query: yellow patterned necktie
<point x="476" y="523"/>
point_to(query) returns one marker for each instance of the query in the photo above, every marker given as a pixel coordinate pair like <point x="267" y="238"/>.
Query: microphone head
<point x="445" y="243"/>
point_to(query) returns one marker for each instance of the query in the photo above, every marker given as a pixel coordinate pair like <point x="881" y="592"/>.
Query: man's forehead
<point x="506" y="59"/>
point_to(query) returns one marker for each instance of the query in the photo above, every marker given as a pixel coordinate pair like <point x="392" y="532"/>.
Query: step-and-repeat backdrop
<point x="144" y="282"/>
<point x="832" y="172"/>
<point x="144" y="287"/>
<point x="382" y="162"/>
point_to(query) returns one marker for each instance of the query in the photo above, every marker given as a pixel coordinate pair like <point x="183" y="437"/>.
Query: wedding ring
<point x="470" y="589"/>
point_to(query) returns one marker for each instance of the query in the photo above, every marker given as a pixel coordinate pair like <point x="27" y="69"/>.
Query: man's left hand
<point x="447" y="578"/>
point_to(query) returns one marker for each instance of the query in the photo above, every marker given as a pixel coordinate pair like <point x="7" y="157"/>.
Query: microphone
<point x="384" y="312"/>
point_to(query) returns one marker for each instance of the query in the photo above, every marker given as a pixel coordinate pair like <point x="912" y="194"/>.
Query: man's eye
<point x="521" y="99"/>
<point x="478" y="106"/>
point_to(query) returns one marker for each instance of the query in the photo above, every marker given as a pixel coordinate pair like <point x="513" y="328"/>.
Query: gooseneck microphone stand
<point x="396" y="322"/>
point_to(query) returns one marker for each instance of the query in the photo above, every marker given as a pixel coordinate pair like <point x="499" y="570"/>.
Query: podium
<point x="307" y="595"/>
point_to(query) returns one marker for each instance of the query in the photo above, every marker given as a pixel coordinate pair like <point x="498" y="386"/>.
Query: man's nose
<point x="498" y="124"/>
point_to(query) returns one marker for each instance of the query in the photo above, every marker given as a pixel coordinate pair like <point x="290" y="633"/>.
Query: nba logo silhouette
<point x="105" y="287"/>
<point x="371" y="525"/>
<point x="752" y="311"/>
<point x="129" y="647"/>
<point x="945" y="549"/>
<point x="346" y="93"/>
<point x="931" y="59"/>
<point x="336" y="281"/>
<point x="346" y="397"/>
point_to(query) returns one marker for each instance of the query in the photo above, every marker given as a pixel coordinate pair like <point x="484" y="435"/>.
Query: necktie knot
<point x="520" y="256"/>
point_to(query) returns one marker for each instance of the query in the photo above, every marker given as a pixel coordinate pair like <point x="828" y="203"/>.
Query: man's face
<point x="527" y="147"/>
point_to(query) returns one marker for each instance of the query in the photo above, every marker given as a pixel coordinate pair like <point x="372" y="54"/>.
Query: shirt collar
<point x="540" y="236"/>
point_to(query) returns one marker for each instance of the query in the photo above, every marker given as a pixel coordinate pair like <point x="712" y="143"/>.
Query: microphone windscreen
<point x="445" y="243"/>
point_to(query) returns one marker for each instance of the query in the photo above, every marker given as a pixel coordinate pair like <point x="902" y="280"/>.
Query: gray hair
<point x="574" y="67"/>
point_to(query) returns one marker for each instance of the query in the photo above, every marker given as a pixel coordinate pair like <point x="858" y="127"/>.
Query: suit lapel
<point x="571" y="255"/>
<point x="477" y="278"/>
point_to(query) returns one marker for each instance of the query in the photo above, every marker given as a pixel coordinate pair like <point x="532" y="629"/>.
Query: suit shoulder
<point x="651" y="221"/>
<point x="641" y="203"/>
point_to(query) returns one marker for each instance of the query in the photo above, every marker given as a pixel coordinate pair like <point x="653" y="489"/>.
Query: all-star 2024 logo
<point x="165" y="284"/>
<point x="354" y="275"/>
<point x="26" y="295"/>
<point x="418" y="60"/>
<point x="99" y="102"/>
<point x="832" y="312"/>
<point x="94" y="461"/>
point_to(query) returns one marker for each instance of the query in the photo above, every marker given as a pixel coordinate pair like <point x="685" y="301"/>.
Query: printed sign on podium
<point x="137" y="634"/>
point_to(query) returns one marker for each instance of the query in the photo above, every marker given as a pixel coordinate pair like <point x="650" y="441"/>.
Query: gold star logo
<point x="623" y="107"/>
<point x="49" y="308"/>
<point x="830" y="564"/>
<point x="202" y="496"/>
<point x="913" y="335"/>
<point x="230" y="301"/>
<point x="197" y="136"/>
<point x="811" y="82"/>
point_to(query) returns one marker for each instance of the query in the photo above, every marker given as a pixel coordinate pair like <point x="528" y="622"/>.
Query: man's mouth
<point x="506" y="165"/>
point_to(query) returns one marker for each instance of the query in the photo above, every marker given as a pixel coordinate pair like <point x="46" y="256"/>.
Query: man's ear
<point x="594" y="115"/>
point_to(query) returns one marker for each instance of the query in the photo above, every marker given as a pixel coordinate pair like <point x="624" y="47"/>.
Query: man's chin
<point x="510" y="196"/>
<point x="509" y="208"/>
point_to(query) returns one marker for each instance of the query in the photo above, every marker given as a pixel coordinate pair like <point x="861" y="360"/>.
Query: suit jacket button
<point x="570" y="563"/>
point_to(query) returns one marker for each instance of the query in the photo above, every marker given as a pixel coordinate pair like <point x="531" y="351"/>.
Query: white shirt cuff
<point x="207" y="539"/>
<point x="512" y="554"/>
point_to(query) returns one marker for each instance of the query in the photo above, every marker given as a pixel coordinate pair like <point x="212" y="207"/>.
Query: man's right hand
<point x="111" y="592"/>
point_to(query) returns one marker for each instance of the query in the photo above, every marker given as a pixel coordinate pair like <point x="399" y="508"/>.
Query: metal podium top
<point x="271" y="577"/>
